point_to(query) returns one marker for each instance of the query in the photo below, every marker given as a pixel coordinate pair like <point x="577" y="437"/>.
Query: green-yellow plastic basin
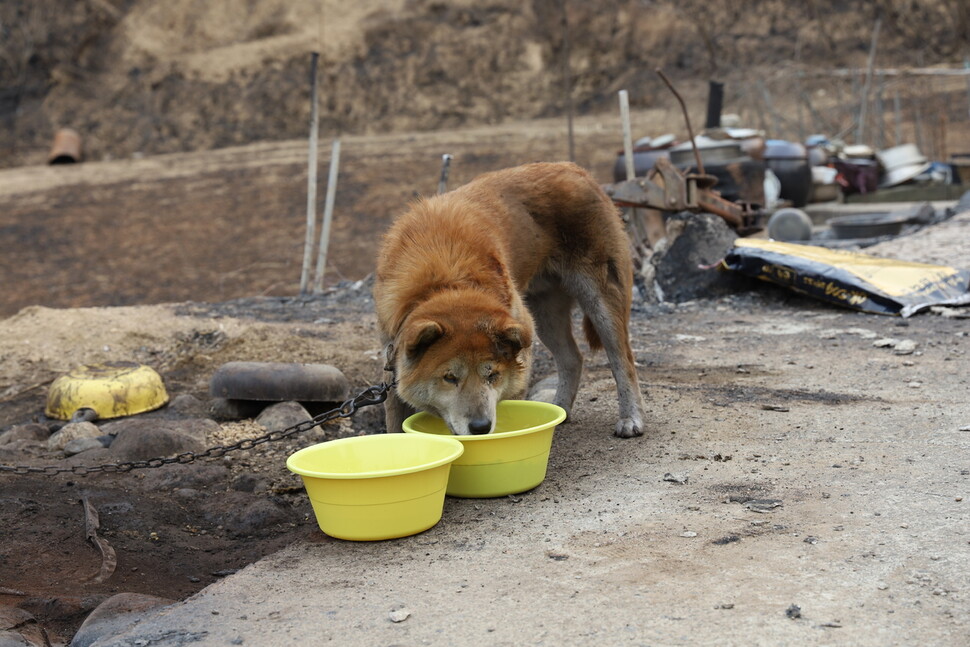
<point x="383" y="486"/>
<point x="511" y="459"/>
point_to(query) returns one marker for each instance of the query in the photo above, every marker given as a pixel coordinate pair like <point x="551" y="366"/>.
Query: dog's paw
<point x="628" y="428"/>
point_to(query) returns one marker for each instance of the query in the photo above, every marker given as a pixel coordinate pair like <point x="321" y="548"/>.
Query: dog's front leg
<point x="395" y="412"/>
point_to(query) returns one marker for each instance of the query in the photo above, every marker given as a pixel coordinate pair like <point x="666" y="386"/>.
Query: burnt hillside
<point x="142" y="77"/>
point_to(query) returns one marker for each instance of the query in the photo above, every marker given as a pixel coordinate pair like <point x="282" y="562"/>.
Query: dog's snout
<point x="480" y="426"/>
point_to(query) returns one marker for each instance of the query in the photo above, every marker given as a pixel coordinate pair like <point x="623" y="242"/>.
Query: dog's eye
<point x="492" y="377"/>
<point x="451" y="379"/>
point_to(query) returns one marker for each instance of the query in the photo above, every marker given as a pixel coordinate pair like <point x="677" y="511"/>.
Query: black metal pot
<point x="789" y="162"/>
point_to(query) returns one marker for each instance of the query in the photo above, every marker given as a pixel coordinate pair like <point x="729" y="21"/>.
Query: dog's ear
<point x="420" y="336"/>
<point x="513" y="338"/>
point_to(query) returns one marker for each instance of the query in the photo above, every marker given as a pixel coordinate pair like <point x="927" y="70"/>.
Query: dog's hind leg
<point x="551" y="308"/>
<point x="605" y="308"/>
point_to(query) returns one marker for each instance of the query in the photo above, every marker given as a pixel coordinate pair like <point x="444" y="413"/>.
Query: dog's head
<point x="459" y="362"/>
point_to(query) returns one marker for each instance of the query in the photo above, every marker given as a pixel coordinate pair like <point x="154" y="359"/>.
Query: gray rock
<point x="115" y="615"/>
<point x="243" y="514"/>
<point x="79" y="445"/>
<point x="32" y="431"/>
<point x="695" y="241"/>
<point x="91" y="458"/>
<point x="368" y="420"/>
<point x="11" y="617"/>
<point x="187" y="494"/>
<point x="188" y="405"/>
<point x="195" y="476"/>
<point x="228" y="409"/>
<point x="19" y="628"/>
<point x="72" y="431"/>
<point x="249" y="483"/>
<point x="15" y="639"/>
<point x="152" y="438"/>
<point x="20" y="448"/>
<point x="282" y="416"/>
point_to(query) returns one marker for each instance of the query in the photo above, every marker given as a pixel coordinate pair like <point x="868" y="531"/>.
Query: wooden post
<point x="898" y="130"/>
<point x="311" y="193"/>
<point x="966" y="66"/>
<point x="443" y="178"/>
<point x="861" y="126"/>
<point x="327" y="218"/>
<point x="769" y="106"/>
<point x="567" y="80"/>
<point x="627" y="134"/>
<point x="879" y="116"/>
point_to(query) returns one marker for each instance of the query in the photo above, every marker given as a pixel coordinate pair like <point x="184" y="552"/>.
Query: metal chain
<point x="369" y="396"/>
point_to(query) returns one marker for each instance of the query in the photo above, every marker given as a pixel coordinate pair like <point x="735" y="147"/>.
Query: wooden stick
<point x="311" y="193"/>
<point x="567" y="80"/>
<point x="327" y="218"/>
<point x="627" y="134"/>
<point x="898" y="131"/>
<point x="861" y="131"/>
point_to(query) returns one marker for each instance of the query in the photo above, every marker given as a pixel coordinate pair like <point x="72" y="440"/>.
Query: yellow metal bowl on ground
<point x="511" y="459"/>
<point x="383" y="486"/>
<point x="112" y="389"/>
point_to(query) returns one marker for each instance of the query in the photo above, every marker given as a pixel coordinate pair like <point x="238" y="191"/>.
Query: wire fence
<point x="926" y="107"/>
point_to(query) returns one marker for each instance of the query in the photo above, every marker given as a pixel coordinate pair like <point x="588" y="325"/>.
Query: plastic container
<point x="384" y="486"/>
<point x="112" y="390"/>
<point x="511" y="459"/>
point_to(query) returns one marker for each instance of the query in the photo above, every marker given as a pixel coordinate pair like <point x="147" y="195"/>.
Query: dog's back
<point x="545" y="233"/>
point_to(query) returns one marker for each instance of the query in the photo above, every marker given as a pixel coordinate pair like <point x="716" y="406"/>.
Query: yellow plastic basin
<point x="511" y="459"/>
<point x="112" y="389"/>
<point x="376" y="487"/>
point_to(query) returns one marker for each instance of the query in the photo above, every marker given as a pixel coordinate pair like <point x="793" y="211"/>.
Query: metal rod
<point x="311" y="194"/>
<point x="683" y="108"/>
<point x="327" y="217"/>
<point x="627" y="134"/>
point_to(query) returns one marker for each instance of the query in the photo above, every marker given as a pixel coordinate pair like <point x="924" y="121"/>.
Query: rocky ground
<point x="816" y="481"/>
<point x="778" y="431"/>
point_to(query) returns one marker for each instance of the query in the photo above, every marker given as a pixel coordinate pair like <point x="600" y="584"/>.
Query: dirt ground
<point x="762" y="395"/>
<point x="187" y="260"/>
<point x="788" y="461"/>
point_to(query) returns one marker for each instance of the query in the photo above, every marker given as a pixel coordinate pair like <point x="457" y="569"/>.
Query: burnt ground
<point x="207" y="232"/>
<point x="726" y="380"/>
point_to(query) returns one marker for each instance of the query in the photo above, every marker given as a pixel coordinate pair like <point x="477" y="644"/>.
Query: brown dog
<point x="461" y="275"/>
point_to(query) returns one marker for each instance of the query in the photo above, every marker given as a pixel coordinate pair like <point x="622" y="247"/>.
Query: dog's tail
<point x="592" y="337"/>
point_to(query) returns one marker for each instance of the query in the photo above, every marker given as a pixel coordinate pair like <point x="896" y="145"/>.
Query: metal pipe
<point x="715" y="103"/>
<point x="683" y="108"/>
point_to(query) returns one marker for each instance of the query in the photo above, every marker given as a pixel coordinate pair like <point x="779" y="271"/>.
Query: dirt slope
<point x="147" y="77"/>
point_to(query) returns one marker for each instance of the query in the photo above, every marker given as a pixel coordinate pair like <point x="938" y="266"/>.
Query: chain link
<point x="369" y="396"/>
